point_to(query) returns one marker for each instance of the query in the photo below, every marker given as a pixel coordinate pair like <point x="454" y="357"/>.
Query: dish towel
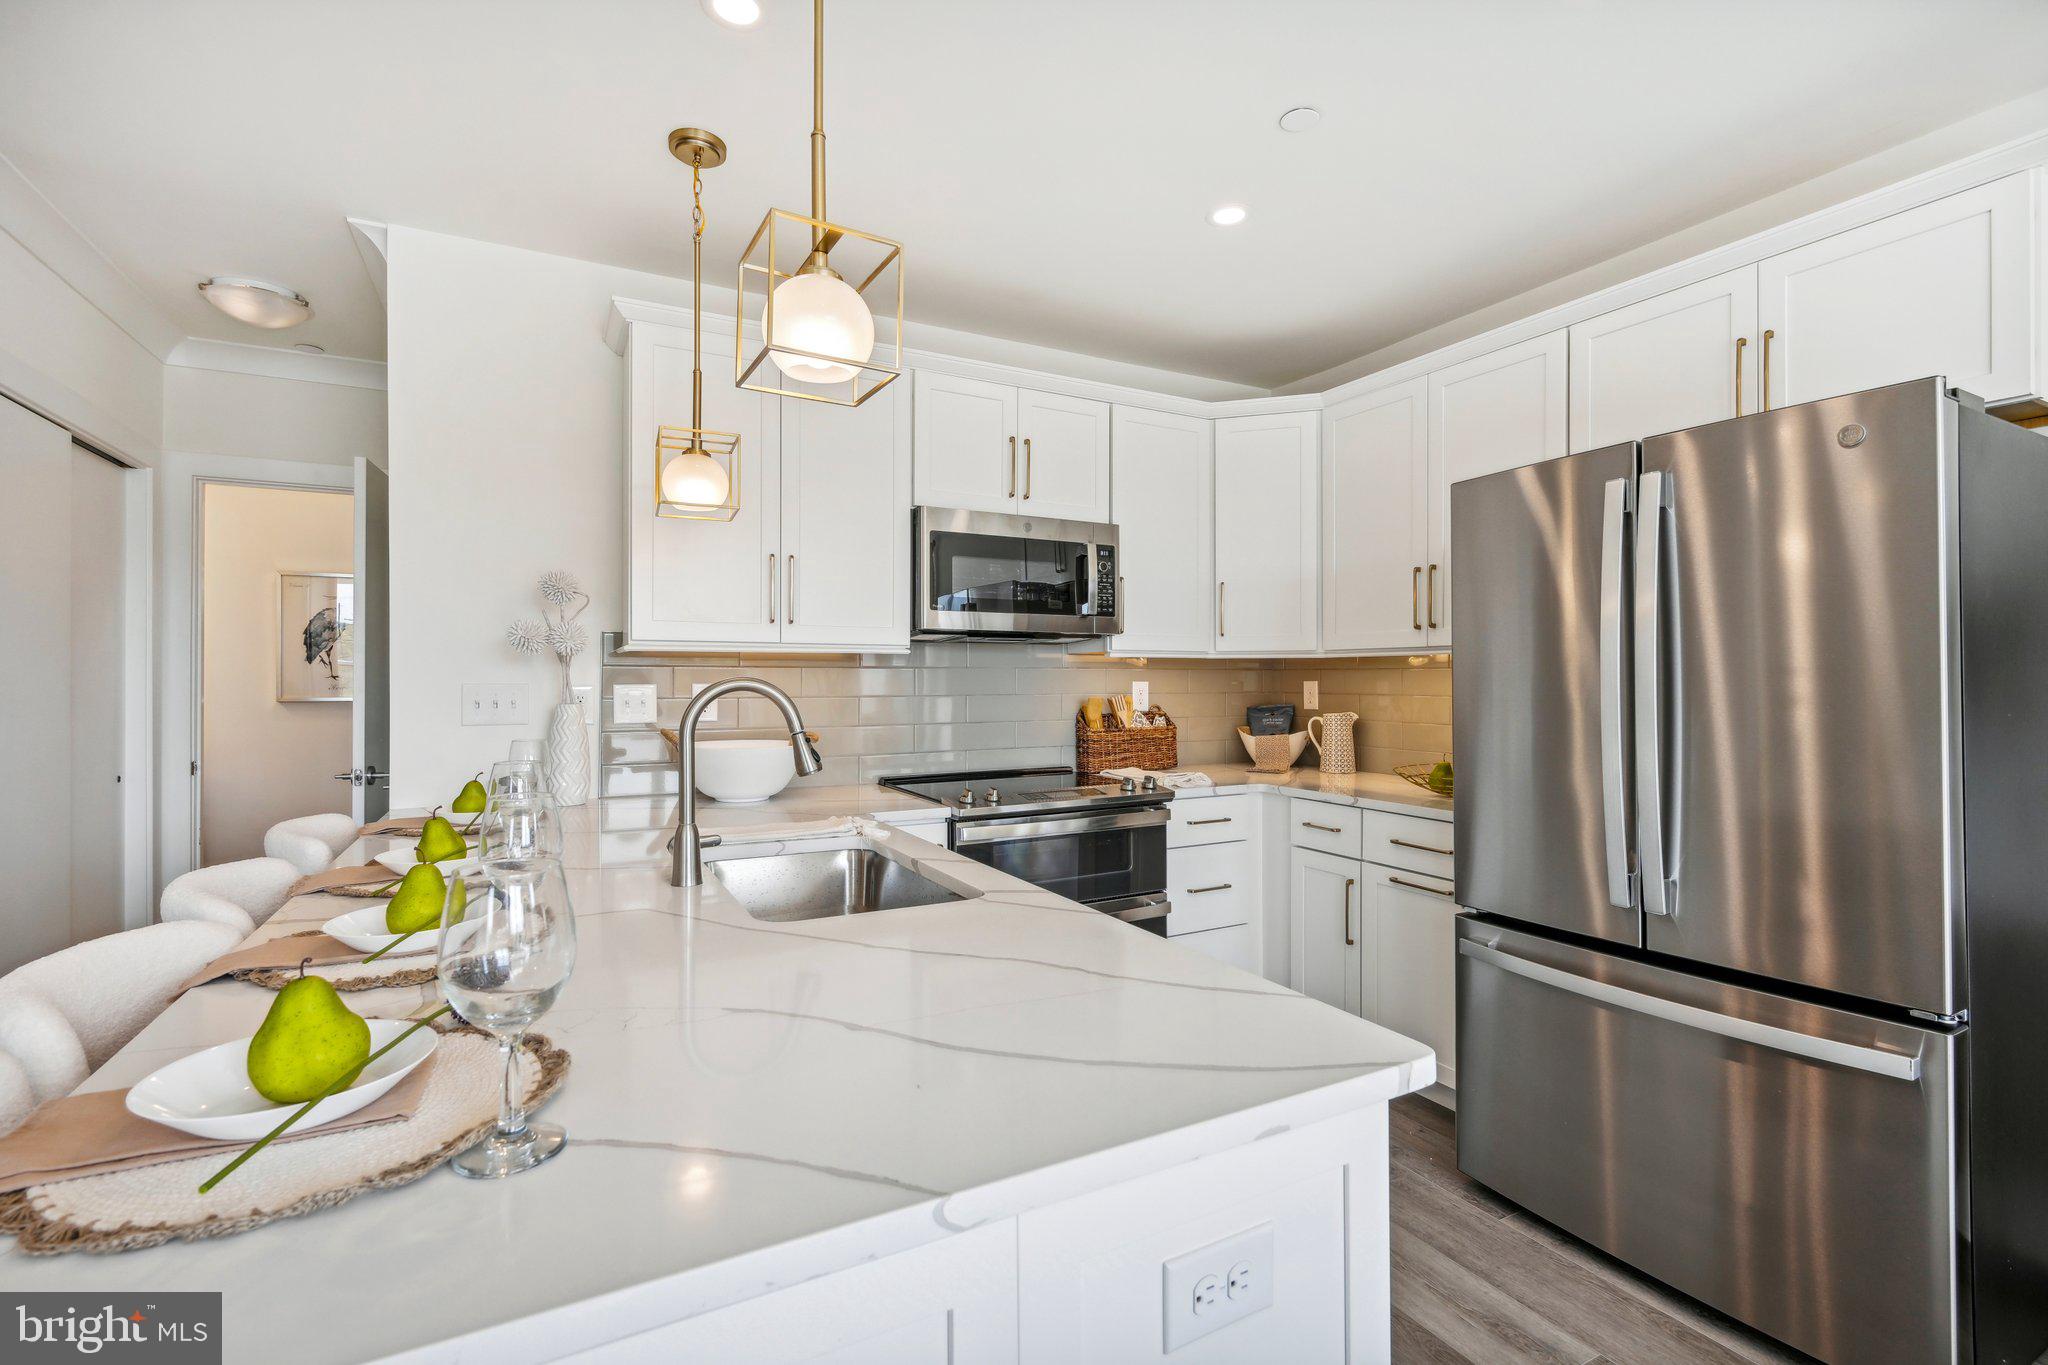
<point x="1171" y="781"/>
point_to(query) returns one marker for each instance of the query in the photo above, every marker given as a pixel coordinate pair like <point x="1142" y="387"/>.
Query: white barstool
<point x="61" y="1016"/>
<point x="310" y="842"/>
<point x="240" y="895"/>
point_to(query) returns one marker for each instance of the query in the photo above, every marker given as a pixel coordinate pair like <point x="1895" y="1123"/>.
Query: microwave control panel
<point x="1105" y="580"/>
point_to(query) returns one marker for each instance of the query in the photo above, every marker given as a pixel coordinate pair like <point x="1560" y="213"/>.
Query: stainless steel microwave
<point x="994" y="576"/>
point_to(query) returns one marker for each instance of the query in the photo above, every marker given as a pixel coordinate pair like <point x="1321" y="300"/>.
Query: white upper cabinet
<point x="1064" y="456"/>
<point x="1267" y="480"/>
<point x="966" y="447"/>
<point x="1161" y="499"/>
<point x="1375" y="519"/>
<point x="845" y="522"/>
<point x="994" y="448"/>
<point x="1498" y="411"/>
<point x="1674" y="361"/>
<point x="1947" y="288"/>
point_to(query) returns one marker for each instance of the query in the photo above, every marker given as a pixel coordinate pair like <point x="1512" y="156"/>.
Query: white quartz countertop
<point x="1376" y="791"/>
<point x="751" y="1104"/>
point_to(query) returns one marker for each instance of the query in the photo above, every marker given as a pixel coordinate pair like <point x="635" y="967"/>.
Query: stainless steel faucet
<point x="688" y="846"/>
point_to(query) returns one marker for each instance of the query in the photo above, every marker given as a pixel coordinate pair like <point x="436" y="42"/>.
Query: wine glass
<point x="502" y="964"/>
<point x="515" y="777"/>
<point x="520" y="827"/>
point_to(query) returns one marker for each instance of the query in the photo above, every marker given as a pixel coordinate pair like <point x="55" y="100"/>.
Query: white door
<point x="966" y="446"/>
<point x="1498" y="411"/>
<point x="701" y="580"/>
<point x="1064" y="452"/>
<point x="35" y="686"/>
<point x="1679" y="360"/>
<point x="1266" y="542"/>
<point x="98" y="682"/>
<point x="1160" y="499"/>
<point x="1376" y="519"/>
<point x="846" y="521"/>
<point x="1325" y="928"/>
<point x="1948" y="288"/>
<point x="1410" y="969"/>
<point x="370" y="738"/>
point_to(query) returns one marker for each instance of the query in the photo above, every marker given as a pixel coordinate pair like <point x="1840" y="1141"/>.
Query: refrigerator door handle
<point x="1653" y="510"/>
<point x="1613" y="699"/>
<point x="1876" y="1061"/>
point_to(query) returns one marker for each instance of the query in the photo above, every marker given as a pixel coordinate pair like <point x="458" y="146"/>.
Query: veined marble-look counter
<point x="752" y="1105"/>
<point x="1373" y="791"/>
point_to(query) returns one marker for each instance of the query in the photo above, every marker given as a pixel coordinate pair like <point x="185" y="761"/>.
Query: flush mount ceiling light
<point x="734" y="13"/>
<point x="817" y="324"/>
<point x="256" y="302"/>
<point x="696" y="472"/>
<point x="309" y="348"/>
<point x="1227" y="215"/>
<point x="1300" y="119"/>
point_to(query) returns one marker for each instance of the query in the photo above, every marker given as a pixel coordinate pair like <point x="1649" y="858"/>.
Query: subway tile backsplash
<point x="948" y="705"/>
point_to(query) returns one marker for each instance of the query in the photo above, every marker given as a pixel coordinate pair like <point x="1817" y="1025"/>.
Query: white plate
<point x="363" y="930"/>
<point x="208" y="1094"/>
<point x="401" y="860"/>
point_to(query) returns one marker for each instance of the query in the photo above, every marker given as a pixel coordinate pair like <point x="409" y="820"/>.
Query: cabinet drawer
<point x="1327" y="828"/>
<point x="1209" y="820"/>
<point x="1211" y="886"/>
<point x="1408" y="841"/>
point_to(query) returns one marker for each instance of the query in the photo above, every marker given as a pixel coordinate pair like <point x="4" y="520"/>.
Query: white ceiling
<point x="1049" y="164"/>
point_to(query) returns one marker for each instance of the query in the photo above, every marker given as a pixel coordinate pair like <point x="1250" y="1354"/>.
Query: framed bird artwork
<point x="316" y="618"/>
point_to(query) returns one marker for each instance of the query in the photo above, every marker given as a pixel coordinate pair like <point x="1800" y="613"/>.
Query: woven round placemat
<point x="367" y="891"/>
<point x="150" y="1205"/>
<point x="345" y="976"/>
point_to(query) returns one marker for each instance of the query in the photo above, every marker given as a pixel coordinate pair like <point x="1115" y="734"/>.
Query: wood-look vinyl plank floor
<point x="1478" y="1279"/>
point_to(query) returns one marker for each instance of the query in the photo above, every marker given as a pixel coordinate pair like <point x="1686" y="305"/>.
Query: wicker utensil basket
<point x="1154" y="747"/>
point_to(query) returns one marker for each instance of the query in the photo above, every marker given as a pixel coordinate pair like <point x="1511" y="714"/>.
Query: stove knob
<point x="1151" y="783"/>
<point x="1130" y="786"/>
<point x="994" y="797"/>
<point x="967" y="796"/>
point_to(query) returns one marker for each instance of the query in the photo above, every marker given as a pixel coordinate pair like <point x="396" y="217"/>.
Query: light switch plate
<point x="1213" y="1286"/>
<point x="1141" y="695"/>
<point x="633" y="704"/>
<point x="1312" y="696"/>
<point x="495" y="703"/>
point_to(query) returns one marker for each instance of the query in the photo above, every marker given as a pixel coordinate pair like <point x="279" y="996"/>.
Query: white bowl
<point x="208" y="1094"/>
<point x="1296" y="742"/>
<point x="363" y="930"/>
<point x="740" y="770"/>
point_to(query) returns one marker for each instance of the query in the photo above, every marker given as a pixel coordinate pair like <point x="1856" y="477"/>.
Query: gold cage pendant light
<point x="696" y="472"/>
<point x="828" y="298"/>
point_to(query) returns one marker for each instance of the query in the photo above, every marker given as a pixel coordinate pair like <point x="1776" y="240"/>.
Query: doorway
<point x="277" y="658"/>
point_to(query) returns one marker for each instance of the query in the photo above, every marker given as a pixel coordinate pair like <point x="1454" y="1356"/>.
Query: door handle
<point x="1658" y="885"/>
<point x="1420" y="848"/>
<point x="1418" y="886"/>
<point x="1741" y="344"/>
<point x="1027" y="469"/>
<point x="1327" y="829"/>
<point x="1432" y="597"/>
<point x="354" y="779"/>
<point x="1349" y="942"/>
<point x="1613" y="698"/>
<point x="1204" y="890"/>
<point x="1768" y="334"/>
<point x="772" y="576"/>
<point x="1415" y="598"/>
<point x="789" y="594"/>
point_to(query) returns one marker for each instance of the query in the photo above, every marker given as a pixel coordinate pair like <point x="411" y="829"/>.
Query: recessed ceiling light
<point x="1300" y="120"/>
<point x="309" y="348"/>
<point x="734" y="13"/>
<point x="1229" y="215"/>
<point x="256" y="302"/>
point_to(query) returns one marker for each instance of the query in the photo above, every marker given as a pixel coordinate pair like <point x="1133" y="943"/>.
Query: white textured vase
<point x="568" y="756"/>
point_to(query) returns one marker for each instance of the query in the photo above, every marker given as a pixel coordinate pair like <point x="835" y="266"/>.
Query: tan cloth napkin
<point x="94" y="1133"/>
<point x="374" y="874"/>
<point x="397" y="824"/>
<point x="289" y="951"/>
<point x="1271" y="753"/>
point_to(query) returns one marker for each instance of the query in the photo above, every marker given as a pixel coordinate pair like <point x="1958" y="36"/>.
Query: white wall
<point x="220" y="412"/>
<point x="66" y="359"/>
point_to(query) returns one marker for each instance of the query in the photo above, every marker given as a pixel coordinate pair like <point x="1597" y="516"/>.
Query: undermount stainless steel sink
<point x="825" y="883"/>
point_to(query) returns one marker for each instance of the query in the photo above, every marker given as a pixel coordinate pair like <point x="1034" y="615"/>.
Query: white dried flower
<point x="559" y="587"/>
<point x="528" y="637"/>
<point x="568" y="640"/>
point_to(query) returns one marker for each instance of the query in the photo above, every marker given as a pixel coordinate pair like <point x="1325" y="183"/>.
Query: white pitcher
<point x="1333" y="745"/>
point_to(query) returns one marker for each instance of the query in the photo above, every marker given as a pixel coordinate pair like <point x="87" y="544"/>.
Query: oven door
<point x="1113" y="860"/>
<point x="987" y="573"/>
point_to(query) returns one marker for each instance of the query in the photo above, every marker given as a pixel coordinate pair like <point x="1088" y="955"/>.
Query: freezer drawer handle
<point x="1876" y="1061"/>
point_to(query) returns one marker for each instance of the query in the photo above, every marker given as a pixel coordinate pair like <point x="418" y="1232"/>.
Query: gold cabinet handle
<point x="1419" y="848"/>
<point x="1027" y="469"/>
<point x="789" y="601"/>
<point x="1418" y="886"/>
<point x="1741" y="345"/>
<point x="1432" y="597"/>
<point x="1204" y="890"/>
<point x="771" y="591"/>
<point x="1768" y="334"/>
<point x="1349" y="941"/>
<point x="1219" y="820"/>
<point x="1415" y="598"/>
<point x="1013" y="466"/>
<point x="1327" y="829"/>
<point x="1221" y="630"/>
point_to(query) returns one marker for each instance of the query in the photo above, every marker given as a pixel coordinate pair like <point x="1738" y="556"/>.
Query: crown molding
<point x="274" y="362"/>
<point x="46" y="234"/>
<point x="373" y="244"/>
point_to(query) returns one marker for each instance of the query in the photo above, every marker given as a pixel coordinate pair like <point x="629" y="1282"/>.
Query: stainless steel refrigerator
<point x="1752" y="731"/>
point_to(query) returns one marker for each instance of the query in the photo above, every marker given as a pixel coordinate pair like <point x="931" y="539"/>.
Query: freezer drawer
<point x="1795" y="1166"/>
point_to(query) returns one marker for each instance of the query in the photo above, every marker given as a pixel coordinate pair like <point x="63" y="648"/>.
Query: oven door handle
<point x="1135" y="909"/>
<point x="1053" y="827"/>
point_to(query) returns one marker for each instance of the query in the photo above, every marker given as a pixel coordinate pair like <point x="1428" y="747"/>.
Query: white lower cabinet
<point x="1409" y="970"/>
<point x="1324" y="930"/>
<point x="1211" y="886"/>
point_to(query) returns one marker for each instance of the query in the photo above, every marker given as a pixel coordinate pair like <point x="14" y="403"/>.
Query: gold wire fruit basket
<point x="1424" y="775"/>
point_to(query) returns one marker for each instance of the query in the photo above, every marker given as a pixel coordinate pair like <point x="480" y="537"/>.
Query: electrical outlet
<point x="586" y="697"/>
<point x="495" y="703"/>
<point x="1312" y="696"/>
<point x="1216" y="1285"/>
<point x="633" y="704"/>
<point x="1141" y="695"/>
<point x="710" y="716"/>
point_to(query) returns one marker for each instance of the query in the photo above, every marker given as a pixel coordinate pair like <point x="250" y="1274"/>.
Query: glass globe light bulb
<point x="695" y="479"/>
<point x="822" y="314"/>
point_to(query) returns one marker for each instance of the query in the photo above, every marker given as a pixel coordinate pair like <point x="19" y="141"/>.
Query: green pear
<point x="308" y="1042"/>
<point x="1440" y="776"/>
<point x="471" y="799"/>
<point x="438" y="841"/>
<point x="417" y="904"/>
